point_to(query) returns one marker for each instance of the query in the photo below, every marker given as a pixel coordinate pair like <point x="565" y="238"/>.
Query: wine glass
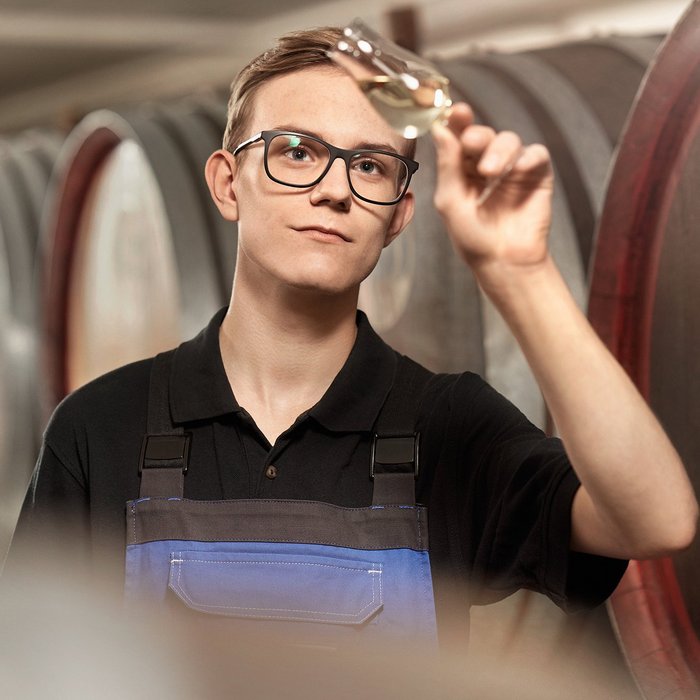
<point x="408" y="91"/>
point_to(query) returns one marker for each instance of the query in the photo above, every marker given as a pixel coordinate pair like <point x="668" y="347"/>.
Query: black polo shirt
<point x="498" y="491"/>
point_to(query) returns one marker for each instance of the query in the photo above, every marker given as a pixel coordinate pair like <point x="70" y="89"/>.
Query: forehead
<point x="322" y="100"/>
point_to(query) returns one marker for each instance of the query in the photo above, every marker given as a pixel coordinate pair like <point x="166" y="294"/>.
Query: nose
<point x="334" y="188"/>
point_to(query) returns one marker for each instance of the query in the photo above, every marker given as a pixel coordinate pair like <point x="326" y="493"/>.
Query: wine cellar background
<point x="111" y="250"/>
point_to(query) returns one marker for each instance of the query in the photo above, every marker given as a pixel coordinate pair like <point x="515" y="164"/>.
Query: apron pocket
<point x="296" y="587"/>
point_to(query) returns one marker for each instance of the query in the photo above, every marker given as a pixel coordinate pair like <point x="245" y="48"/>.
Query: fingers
<point x="499" y="154"/>
<point x="534" y="158"/>
<point x="490" y="152"/>
<point x="482" y="152"/>
<point x="460" y="117"/>
<point x="449" y="165"/>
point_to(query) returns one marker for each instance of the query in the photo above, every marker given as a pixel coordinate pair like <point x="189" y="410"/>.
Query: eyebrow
<point x="360" y="147"/>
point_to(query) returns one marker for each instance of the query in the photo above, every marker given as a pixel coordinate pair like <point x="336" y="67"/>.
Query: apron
<point x="319" y="573"/>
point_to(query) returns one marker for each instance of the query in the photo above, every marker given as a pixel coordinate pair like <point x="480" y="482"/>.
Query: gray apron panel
<point x="262" y="520"/>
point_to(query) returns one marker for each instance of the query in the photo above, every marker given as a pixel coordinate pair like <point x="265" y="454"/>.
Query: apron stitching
<point x="285" y="501"/>
<point x="276" y="563"/>
<point x="239" y="607"/>
<point x="419" y="548"/>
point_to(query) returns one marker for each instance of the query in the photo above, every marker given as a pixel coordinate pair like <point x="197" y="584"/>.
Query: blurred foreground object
<point x="65" y="640"/>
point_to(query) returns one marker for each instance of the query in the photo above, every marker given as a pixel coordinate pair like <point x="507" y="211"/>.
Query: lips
<point x="325" y="230"/>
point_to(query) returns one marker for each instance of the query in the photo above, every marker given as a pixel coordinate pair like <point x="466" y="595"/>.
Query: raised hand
<point x="510" y="227"/>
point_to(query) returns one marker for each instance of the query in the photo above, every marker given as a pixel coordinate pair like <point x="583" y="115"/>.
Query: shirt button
<point x="271" y="472"/>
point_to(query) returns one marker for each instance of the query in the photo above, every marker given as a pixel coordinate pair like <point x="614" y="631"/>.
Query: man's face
<point x="278" y="226"/>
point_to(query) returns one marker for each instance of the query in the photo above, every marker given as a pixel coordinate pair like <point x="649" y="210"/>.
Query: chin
<point x="325" y="287"/>
<point x="325" y="279"/>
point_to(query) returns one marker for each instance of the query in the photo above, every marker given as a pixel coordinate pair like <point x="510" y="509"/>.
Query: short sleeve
<point x="505" y="491"/>
<point x="54" y="519"/>
<point x="575" y="580"/>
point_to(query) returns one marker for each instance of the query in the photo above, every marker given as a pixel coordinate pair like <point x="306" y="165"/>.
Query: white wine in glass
<point x="406" y="90"/>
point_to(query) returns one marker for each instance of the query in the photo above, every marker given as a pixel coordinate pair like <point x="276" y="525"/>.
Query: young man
<point x="283" y="392"/>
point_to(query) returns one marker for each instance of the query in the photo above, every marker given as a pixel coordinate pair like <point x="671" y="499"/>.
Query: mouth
<point x="324" y="232"/>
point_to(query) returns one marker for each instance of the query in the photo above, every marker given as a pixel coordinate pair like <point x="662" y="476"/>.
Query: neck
<point x="282" y="346"/>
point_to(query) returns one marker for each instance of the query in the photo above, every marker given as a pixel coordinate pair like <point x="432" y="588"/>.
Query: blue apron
<point x="319" y="573"/>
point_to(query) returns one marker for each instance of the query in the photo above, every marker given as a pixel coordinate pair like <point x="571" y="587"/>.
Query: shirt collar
<point x="199" y="387"/>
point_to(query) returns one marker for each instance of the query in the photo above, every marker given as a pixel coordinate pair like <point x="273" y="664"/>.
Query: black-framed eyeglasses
<point x="299" y="160"/>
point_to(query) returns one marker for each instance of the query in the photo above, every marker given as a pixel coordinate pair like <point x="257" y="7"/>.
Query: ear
<point x="403" y="213"/>
<point x="220" y="173"/>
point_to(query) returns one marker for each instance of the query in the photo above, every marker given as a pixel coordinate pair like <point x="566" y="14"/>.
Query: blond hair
<point x="295" y="51"/>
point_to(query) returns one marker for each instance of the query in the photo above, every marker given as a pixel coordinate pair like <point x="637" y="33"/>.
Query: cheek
<point x="251" y="187"/>
<point x="371" y="252"/>
<point x="257" y="213"/>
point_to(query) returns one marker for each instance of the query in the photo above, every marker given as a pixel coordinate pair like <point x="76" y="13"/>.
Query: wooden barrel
<point x="136" y="258"/>
<point x="25" y="167"/>
<point x="644" y="303"/>
<point x="198" y="130"/>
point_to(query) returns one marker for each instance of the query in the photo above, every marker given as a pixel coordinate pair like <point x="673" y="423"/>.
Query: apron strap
<point x="395" y="446"/>
<point x="165" y="450"/>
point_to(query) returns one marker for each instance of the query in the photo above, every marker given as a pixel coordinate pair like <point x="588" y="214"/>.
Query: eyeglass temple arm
<point x="247" y="142"/>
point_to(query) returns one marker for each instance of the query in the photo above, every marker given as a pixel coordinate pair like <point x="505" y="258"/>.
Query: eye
<point x="369" y="166"/>
<point x="297" y="153"/>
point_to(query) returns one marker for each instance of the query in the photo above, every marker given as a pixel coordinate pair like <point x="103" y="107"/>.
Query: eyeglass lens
<point x="295" y="160"/>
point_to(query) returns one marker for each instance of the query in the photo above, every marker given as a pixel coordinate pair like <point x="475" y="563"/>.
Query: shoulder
<point x="114" y="403"/>
<point x="445" y="392"/>
<point x="121" y="388"/>
<point x="461" y="416"/>
<point x="466" y="397"/>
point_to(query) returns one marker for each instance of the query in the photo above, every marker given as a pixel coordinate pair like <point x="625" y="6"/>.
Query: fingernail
<point x="491" y="163"/>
